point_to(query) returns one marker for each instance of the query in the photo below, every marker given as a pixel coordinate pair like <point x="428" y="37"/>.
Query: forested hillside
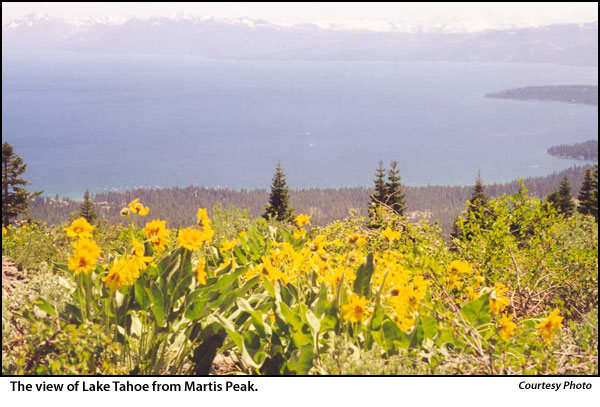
<point x="587" y="150"/>
<point x="585" y="94"/>
<point x="176" y="205"/>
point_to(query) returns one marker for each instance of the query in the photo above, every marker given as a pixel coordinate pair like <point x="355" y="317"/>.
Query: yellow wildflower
<point x="355" y="310"/>
<point x="191" y="239"/>
<point x="390" y="235"/>
<point x="299" y="234"/>
<point x="550" y="324"/>
<point x="123" y="272"/>
<point x="302" y="220"/>
<point x="405" y="324"/>
<point x="316" y="244"/>
<point x="157" y="233"/>
<point x="138" y="208"/>
<point x="470" y="293"/>
<point x="497" y="299"/>
<point x="455" y="281"/>
<point x="84" y="256"/>
<point x="271" y="272"/>
<point x="80" y="228"/>
<point x="459" y="267"/>
<point x="227" y="246"/>
<point x="358" y="238"/>
<point x="507" y="326"/>
<point x="203" y="220"/>
<point x="138" y="255"/>
<point x="201" y="271"/>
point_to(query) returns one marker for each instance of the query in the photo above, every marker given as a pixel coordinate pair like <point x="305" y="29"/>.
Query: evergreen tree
<point x="395" y="198"/>
<point x="15" y="198"/>
<point x="380" y="193"/>
<point x="585" y="196"/>
<point x="479" y="196"/>
<point x="278" y="207"/>
<point x="554" y="199"/>
<point x="378" y="197"/>
<point x="561" y="198"/>
<point x="478" y="201"/>
<point x="87" y="209"/>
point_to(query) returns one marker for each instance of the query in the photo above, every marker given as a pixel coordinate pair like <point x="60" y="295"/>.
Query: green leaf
<point x="362" y="284"/>
<point x="269" y="287"/>
<point x="157" y="305"/>
<point x="61" y="267"/>
<point x="286" y="295"/>
<point x="195" y="310"/>
<point x="314" y="322"/>
<point x="46" y="307"/>
<point x="256" y="317"/>
<point x="238" y="340"/>
<point x="329" y="321"/>
<point x="377" y="318"/>
<point x="394" y="337"/>
<point x="321" y="301"/>
<point x="477" y="312"/>
<point x="141" y="298"/>
<point x="300" y="332"/>
<point x="429" y="326"/>
<point x="301" y="360"/>
<point x="136" y="325"/>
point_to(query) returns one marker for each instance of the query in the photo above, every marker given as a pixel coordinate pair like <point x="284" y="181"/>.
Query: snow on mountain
<point x="246" y="38"/>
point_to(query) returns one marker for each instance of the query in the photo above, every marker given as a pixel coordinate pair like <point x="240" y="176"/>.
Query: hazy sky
<point x="478" y="14"/>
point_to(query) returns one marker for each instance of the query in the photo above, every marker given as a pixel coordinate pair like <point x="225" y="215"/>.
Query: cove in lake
<point x="108" y="122"/>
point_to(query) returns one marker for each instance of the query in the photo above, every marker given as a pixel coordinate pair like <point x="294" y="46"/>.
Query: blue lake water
<point x="118" y="122"/>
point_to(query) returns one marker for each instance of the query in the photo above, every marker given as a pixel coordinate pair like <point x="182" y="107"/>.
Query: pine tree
<point x="87" y="209"/>
<point x="585" y="196"/>
<point x="554" y="199"/>
<point x="15" y="198"/>
<point x="478" y="201"/>
<point x="561" y="198"/>
<point x="278" y="207"/>
<point x="479" y="196"/>
<point x="395" y="198"/>
<point x="380" y="193"/>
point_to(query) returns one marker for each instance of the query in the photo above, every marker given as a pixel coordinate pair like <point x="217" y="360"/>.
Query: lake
<point x="107" y="122"/>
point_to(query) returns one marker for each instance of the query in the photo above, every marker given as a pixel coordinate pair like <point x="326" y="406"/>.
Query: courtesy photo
<point x="284" y="189"/>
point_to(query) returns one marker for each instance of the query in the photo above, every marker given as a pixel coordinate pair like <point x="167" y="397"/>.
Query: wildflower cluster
<point x="85" y="250"/>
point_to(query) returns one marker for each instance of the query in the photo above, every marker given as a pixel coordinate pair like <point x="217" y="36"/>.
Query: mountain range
<point x="569" y="44"/>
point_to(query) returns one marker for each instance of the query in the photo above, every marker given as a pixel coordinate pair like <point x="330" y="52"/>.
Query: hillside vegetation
<point x="325" y="205"/>
<point x="516" y="292"/>
<point x="587" y="150"/>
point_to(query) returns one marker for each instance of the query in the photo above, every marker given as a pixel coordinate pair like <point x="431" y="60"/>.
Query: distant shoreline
<point x="585" y="151"/>
<point x="579" y="94"/>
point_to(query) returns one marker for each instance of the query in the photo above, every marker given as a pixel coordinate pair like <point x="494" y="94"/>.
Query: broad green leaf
<point x="136" y="325"/>
<point x="477" y="312"/>
<point x="314" y="322"/>
<point x="157" y="305"/>
<point x="299" y="331"/>
<point x="141" y="298"/>
<point x="301" y="360"/>
<point x="362" y="284"/>
<point x="321" y="301"/>
<point x="195" y="310"/>
<point x="429" y="326"/>
<point x="46" y="307"/>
